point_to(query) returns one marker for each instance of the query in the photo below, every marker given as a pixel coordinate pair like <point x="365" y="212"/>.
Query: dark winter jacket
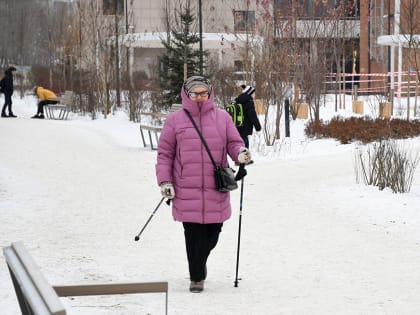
<point x="250" y="116"/>
<point x="6" y="84"/>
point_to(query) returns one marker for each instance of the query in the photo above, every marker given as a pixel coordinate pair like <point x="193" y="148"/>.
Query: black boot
<point x="38" y="116"/>
<point x="3" y="114"/>
<point x="12" y="115"/>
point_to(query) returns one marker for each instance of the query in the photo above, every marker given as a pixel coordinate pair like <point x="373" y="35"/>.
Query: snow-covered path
<point x="313" y="241"/>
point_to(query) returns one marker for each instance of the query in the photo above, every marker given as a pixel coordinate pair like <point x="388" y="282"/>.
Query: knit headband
<point x="196" y="81"/>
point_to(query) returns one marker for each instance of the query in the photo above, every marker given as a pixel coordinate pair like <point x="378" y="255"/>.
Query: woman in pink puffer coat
<point x="185" y="172"/>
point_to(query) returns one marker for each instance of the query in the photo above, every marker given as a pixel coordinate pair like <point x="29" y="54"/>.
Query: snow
<point x="313" y="240"/>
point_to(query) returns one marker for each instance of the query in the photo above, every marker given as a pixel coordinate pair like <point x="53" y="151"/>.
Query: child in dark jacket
<point x="6" y="87"/>
<point x="250" y="116"/>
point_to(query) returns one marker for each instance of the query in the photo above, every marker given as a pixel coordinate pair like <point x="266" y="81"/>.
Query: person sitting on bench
<point x="46" y="97"/>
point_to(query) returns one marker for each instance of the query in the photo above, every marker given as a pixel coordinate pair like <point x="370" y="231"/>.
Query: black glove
<point x="241" y="172"/>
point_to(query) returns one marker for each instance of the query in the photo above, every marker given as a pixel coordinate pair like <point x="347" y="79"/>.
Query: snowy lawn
<point x="313" y="241"/>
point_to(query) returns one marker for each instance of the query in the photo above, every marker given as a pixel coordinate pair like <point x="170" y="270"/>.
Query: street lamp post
<point x="117" y="55"/>
<point x="390" y="63"/>
<point x="200" y="22"/>
<point x="49" y="44"/>
<point x="126" y="31"/>
<point x="128" y="66"/>
<point x="126" y="17"/>
<point x="397" y="32"/>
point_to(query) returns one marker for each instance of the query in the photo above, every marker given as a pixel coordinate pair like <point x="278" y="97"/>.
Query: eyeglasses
<point x="197" y="94"/>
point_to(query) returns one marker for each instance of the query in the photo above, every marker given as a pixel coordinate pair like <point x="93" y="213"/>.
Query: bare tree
<point x="223" y="79"/>
<point x="289" y="48"/>
<point x="319" y="37"/>
<point x="262" y="67"/>
<point x="91" y="43"/>
<point x="22" y="23"/>
<point x="409" y="12"/>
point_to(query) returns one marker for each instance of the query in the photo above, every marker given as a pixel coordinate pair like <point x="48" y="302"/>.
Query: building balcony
<point x="345" y="28"/>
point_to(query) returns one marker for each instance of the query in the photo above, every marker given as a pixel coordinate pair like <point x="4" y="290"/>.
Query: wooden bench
<point x="155" y="130"/>
<point x="37" y="297"/>
<point x="62" y="109"/>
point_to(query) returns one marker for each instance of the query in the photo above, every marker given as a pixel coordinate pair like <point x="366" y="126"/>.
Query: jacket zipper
<point x="202" y="166"/>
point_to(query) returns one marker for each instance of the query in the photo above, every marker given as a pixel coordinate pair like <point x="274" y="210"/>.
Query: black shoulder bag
<point x="224" y="177"/>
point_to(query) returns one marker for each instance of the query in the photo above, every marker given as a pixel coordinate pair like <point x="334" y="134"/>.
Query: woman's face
<point x="199" y="94"/>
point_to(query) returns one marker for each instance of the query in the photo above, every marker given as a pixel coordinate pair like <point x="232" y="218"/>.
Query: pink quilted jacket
<point x="183" y="160"/>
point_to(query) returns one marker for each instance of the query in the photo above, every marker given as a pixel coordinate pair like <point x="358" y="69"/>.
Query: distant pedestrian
<point x="6" y="87"/>
<point x="45" y="97"/>
<point x="185" y="172"/>
<point x="250" y="116"/>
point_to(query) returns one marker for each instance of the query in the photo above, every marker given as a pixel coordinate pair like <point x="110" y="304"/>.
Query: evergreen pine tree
<point x="179" y="52"/>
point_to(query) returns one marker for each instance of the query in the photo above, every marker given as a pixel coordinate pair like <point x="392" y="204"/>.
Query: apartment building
<point x="228" y="26"/>
<point x="225" y="26"/>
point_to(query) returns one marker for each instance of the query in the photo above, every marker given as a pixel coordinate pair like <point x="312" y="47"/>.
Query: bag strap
<point x="202" y="138"/>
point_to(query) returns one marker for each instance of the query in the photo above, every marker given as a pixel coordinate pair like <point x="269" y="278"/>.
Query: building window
<point x="353" y="9"/>
<point x="317" y="9"/>
<point x="244" y="21"/>
<point x="239" y="70"/>
<point x="108" y="7"/>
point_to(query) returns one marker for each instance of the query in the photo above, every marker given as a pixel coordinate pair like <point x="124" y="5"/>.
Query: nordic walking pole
<point x="137" y="237"/>
<point x="239" y="232"/>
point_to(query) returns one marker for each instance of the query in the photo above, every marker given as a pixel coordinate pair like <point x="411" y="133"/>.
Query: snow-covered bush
<point x="386" y="164"/>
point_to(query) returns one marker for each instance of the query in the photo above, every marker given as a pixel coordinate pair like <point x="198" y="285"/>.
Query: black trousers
<point x="41" y="105"/>
<point x="200" y="239"/>
<point x="7" y="104"/>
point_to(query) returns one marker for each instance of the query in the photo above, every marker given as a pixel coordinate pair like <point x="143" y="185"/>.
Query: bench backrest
<point x="67" y="98"/>
<point x="175" y="107"/>
<point x="37" y="297"/>
<point x="34" y="293"/>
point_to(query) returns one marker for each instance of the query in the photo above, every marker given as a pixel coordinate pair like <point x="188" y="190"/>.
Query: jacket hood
<point x="195" y="107"/>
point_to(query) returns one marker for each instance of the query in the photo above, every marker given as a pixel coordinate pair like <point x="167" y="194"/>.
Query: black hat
<point x="247" y="89"/>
